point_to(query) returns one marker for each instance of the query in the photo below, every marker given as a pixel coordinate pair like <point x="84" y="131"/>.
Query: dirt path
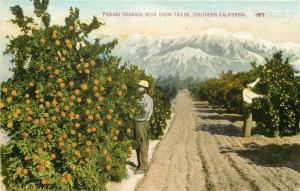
<point x="203" y="150"/>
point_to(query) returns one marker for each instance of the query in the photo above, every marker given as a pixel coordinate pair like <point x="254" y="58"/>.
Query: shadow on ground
<point x="220" y="129"/>
<point x="225" y="116"/>
<point x="271" y="155"/>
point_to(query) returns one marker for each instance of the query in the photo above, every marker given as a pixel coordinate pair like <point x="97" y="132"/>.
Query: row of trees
<point x="70" y="106"/>
<point x="278" y="112"/>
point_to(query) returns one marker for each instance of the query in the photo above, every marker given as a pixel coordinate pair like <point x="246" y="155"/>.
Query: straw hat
<point x="144" y="83"/>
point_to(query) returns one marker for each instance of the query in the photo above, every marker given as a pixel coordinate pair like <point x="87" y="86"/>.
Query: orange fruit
<point x="100" y="98"/>
<point x="96" y="82"/>
<point x="71" y="83"/>
<point x="43" y="40"/>
<point x="27" y="95"/>
<point x="14" y="93"/>
<point x="128" y="130"/>
<point x="93" y="62"/>
<point x="49" y="136"/>
<point x="34" y="156"/>
<point x="41" y="168"/>
<point x="102" y="89"/>
<point x="72" y="132"/>
<point x="59" y="80"/>
<point x="89" y="130"/>
<point x="74" y="145"/>
<point x="63" y="59"/>
<point x="61" y="144"/>
<point x="88" y="150"/>
<point x="76" y="116"/>
<point x="47" y="103"/>
<point x="93" y="129"/>
<point x="119" y="93"/>
<point x="88" y="143"/>
<point x="31" y="84"/>
<point x="115" y="138"/>
<point x="56" y="71"/>
<point x="9" y="99"/>
<point x="65" y="136"/>
<point x="27" y="101"/>
<point x="29" y="118"/>
<point x="97" y="94"/>
<point x="25" y="134"/>
<point x="84" y="86"/>
<point x="97" y="116"/>
<point x="101" y="123"/>
<point x="110" y="111"/>
<point x="86" y="65"/>
<point x="77" y="125"/>
<point x="59" y="93"/>
<point x="25" y="171"/>
<point x="10" y="124"/>
<point x="67" y="41"/>
<point x="105" y="152"/>
<point x="98" y="107"/>
<point x="72" y="166"/>
<point x="44" y="181"/>
<point x="62" y="85"/>
<point x="39" y="149"/>
<point x="108" y="117"/>
<point x="124" y="86"/>
<point x="1" y="105"/>
<point x="27" y="157"/>
<point x="65" y="52"/>
<point x="77" y="153"/>
<point x="57" y="42"/>
<point x="109" y="79"/>
<point x="89" y="100"/>
<point x="63" y="114"/>
<point x="66" y="108"/>
<point x="68" y="177"/>
<point x="69" y="46"/>
<point x="90" y="117"/>
<point x="18" y="170"/>
<point x="76" y="92"/>
<point x="62" y="180"/>
<point x="54" y="102"/>
<point x="78" y="100"/>
<point x="46" y="114"/>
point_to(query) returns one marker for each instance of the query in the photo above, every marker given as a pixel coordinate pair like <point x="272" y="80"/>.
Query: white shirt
<point x="147" y="104"/>
<point x="248" y="95"/>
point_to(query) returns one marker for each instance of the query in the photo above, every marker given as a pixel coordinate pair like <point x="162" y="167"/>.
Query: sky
<point x="270" y="27"/>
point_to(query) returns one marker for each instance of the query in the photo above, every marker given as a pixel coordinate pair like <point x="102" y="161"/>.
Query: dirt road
<point x="204" y="150"/>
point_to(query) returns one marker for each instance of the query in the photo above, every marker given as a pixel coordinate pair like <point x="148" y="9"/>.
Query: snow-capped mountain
<point x="201" y="56"/>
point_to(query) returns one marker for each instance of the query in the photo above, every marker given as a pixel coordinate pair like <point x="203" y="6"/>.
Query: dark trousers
<point x="143" y="144"/>
<point x="248" y="123"/>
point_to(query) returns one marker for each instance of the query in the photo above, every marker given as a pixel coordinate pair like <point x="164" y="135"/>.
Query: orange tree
<point x="280" y="109"/>
<point x="276" y="114"/>
<point x="69" y="108"/>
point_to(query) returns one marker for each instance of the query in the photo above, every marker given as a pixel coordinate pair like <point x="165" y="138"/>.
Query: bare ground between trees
<point x="204" y="150"/>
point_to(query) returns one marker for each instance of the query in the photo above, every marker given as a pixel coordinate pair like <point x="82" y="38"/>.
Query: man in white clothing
<point x="248" y="96"/>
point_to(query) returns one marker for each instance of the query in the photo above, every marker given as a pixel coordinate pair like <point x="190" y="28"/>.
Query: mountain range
<point x="201" y="56"/>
